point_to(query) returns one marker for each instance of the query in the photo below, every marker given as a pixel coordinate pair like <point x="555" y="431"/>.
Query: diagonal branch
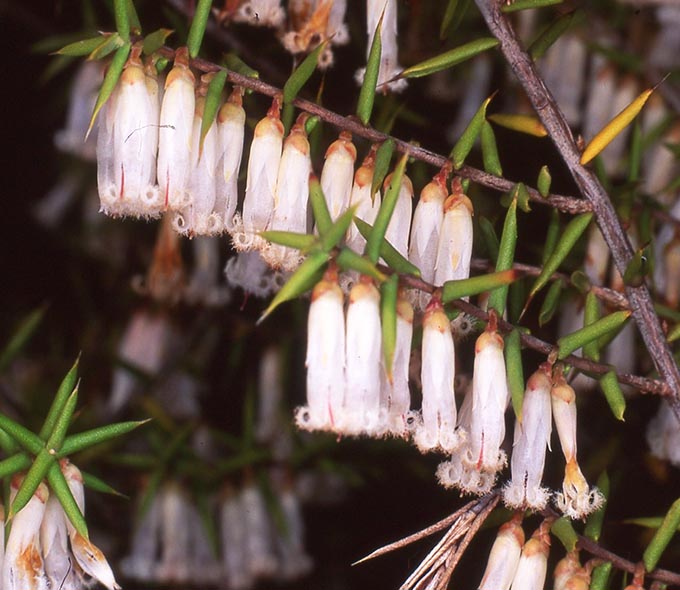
<point x="605" y="214"/>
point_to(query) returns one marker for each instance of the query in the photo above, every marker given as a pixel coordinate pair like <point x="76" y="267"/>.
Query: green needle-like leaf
<point x="83" y="47"/>
<point x="110" y="44"/>
<point x="235" y="64"/>
<point x="213" y="98"/>
<point x="135" y="25"/>
<point x="550" y="303"/>
<point x="65" y="389"/>
<point x="599" y="579"/>
<point x="338" y="230"/>
<point x="388" y="252"/>
<point x="120" y="10"/>
<point x="552" y="33"/>
<point x="450" y="58"/>
<point x="322" y="216"/>
<point x="613" y="394"/>
<point x="591" y="313"/>
<point x="492" y="163"/>
<point x="565" y="532"/>
<point x="303" y="242"/>
<point x="154" y="41"/>
<point x="59" y="487"/>
<point x="571" y="342"/>
<point x="526" y="4"/>
<point x="662" y="537"/>
<point x="348" y="259"/>
<point x="14" y="464"/>
<point x="98" y="485"/>
<point x="489" y="237"/>
<point x="467" y="140"/>
<point x="26" y="439"/>
<point x="301" y="74"/>
<point x="303" y="279"/>
<point x="458" y="289"/>
<point x="21" y="337"/>
<point x="383" y="157"/>
<point x="593" y="528"/>
<point x="367" y="94"/>
<point x="455" y="11"/>
<point x="110" y="80"/>
<point x="382" y="220"/>
<point x="198" y="26"/>
<point x="506" y="257"/>
<point x="552" y="235"/>
<point x="96" y="436"/>
<point x="514" y="371"/>
<point x="35" y="475"/>
<point x="388" y="321"/>
<point x="58" y="435"/>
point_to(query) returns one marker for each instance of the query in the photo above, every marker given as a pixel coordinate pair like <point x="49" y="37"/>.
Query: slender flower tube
<point x="22" y="566"/>
<point x="532" y="436"/>
<point x="533" y="564"/>
<point x="337" y="174"/>
<point x="263" y="169"/>
<point x="400" y="224"/>
<point x="231" y="121"/>
<point x="367" y="207"/>
<point x="395" y="395"/>
<point x="504" y="557"/>
<point x="454" y="250"/>
<point x="233" y="536"/>
<point x="325" y="356"/>
<point x="437" y="431"/>
<point x="260" y="554"/>
<point x="577" y="499"/>
<point x="175" y="133"/>
<point x="360" y="412"/>
<point x="269" y="394"/>
<point x="106" y="171"/>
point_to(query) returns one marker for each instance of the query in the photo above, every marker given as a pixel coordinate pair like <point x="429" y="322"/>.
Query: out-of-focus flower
<point x="290" y="543"/>
<point x="233" y="533"/>
<point x="260" y="553"/>
<point x="204" y="287"/>
<point x="504" y="557"/>
<point x="173" y="565"/>
<point x="663" y="435"/>
<point x="251" y="273"/>
<point x="140" y="563"/>
<point x="532" y="436"/>
<point x="260" y="13"/>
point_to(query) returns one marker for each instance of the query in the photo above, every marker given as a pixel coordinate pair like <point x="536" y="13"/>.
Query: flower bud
<point x="454" y="250"/>
<point x="426" y="227"/>
<point x="570" y="575"/>
<point x="504" y="557"/>
<point x="400" y="224"/>
<point x="438" y="427"/>
<point x="533" y="563"/>
<point x="532" y="436"/>
<point x="337" y="174"/>
<point x="367" y="207"/>
<point x="175" y="133"/>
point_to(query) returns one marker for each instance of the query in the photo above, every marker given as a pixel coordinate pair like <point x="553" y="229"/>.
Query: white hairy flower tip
<point x="533" y="563"/>
<point x="291" y="196"/>
<point x="231" y="121"/>
<point x="400" y="224"/>
<point x="532" y="436"/>
<point x="455" y="239"/>
<point x="175" y="133"/>
<point x="233" y="535"/>
<point x="337" y="174"/>
<point x="437" y="430"/>
<point x="89" y="557"/>
<point x="490" y="398"/>
<point x="260" y="555"/>
<point x="263" y="169"/>
<point x="22" y="566"/>
<point x="261" y="13"/>
<point x="251" y="273"/>
<point x="325" y="356"/>
<point x="366" y="207"/>
<point x="570" y="575"/>
<point x="389" y="57"/>
<point x="361" y="411"/>
<point x="396" y="396"/>
<point x="663" y="435"/>
<point x="504" y="557"/>
<point x="426" y="226"/>
<point x="197" y="218"/>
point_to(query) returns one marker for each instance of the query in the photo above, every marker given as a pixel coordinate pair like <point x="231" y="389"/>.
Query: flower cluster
<point x="44" y="550"/>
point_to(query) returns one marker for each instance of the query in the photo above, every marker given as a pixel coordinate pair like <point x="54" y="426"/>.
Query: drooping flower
<point x="294" y="562"/>
<point x="570" y="574"/>
<point x="337" y="174"/>
<point x="54" y="544"/>
<point x="533" y="563"/>
<point x="399" y="226"/>
<point x="233" y="526"/>
<point x="204" y="287"/>
<point x="260" y="553"/>
<point x="504" y="556"/>
<point x="532" y="436"/>
<point x="366" y="207"/>
<point x="140" y="563"/>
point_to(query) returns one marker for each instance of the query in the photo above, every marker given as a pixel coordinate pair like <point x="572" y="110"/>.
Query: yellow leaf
<point x="524" y="123"/>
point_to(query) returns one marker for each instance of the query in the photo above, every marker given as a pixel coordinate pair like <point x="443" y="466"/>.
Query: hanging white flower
<point x="504" y="556"/>
<point x="366" y="207"/>
<point x="338" y="173"/>
<point x="260" y="555"/>
<point x="294" y="562"/>
<point x="140" y="563"/>
<point x="533" y="564"/>
<point x="233" y="534"/>
<point x="400" y="223"/>
<point x="454" y="250"/>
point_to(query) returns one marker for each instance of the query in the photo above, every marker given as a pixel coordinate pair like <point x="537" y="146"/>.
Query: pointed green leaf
<point x="674" y="334"/>
<point x="382" y="220"/>
<point x="26" y="439"/>
<point x="13" y="464"/>
<point x="98" y="485"/>
<point x="303" y="242"/>
<point x="82" y="47"/>
<point x="338" y="230"/>
<point x="110" y="80"/>
<point x="383" y="157"/>
<point x="591" y="313"/>
<point x="35" y="475"/>
<point x="65" y="389"/>
<point x="552" y="235"/>
<point x="89" y="438"/>
<point x="571" y="342"/>
<point x="489" y="237"/>
<point x="506" y="257"/>
<point x="388" y="252"/>
<point x="515" y="371"/>
<point x="455" y="11"/>
<point x="662" y="537"/>
<point x="301" y="74"/>
<point x="449" y="58"/>
<point x="520" y="192"/>
<point x="235" y="64"/>
<point x="593" y="528"/>
<point x="58" y="435"/>
<point x="572" y="234"/>
<point x="7" y="443"/>
<point x="198" y="26"/>
<point x="322" y="216"/>
<point x="301" y="281"/>
<point x="638" y="268"/>
<point x="154" y="41"/>
<point x="59" y="487"/>
<point x="464" y="144"/>
<point x="21" y="336"/>
<point x="135" y="25"/>
<point x="613" y="394"/>
<point x="475" y="285"/>
<point x="310" y="125"/>
<point x="650" y="522"/>
<point x="526" y="4"/>
<point x="635" y="159"/>
<point x="565" y="532"/>
<point x="492" y="163"/>
<point x="543" y="182"/>
<point x="388" y="321"/>
<point x="367" y="94"/>
<point x="348" y="259"/>
<point x="120" y="11"/>
<point x="213" y="98"/>
<point x="553" y="32"/>
<point x="109" y="44"/>
<point x="599" y="580"/>
<point x="550" y="303"/>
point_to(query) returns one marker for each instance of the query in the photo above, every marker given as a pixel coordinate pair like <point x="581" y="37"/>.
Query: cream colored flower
<point x="504" y="557"/>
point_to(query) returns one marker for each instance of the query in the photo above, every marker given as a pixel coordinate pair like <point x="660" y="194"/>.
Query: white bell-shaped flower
<point x="260" y="552"/>
<point x="263" y="170"/>
<point x="231" y="121"/>
<point x="533" y="563"/>
<point x="437" y="429"/>
<point x="399" y="226"/>
<point x="54" y="544"/>
<point x="325" y="356"/>
<point x="22" y="566"/>
<point x="504" y="557"/>
<point x="140" y="563"/>
<point x="175" y="133"/>
<point x="577" y="499"/>
<point x="338" y="173"/>
<point x="173" y="565"/>
<point x="233" y="536"/>
<point x="366" y="207"/>
<point x="532" y="436"/>
<point x="106" y="172"/>
<point x="204" y="566"/>
<point x="294" y="560"/>
<point x="454" y="250"/>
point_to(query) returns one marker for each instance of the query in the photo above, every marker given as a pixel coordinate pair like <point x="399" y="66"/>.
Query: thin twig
<point x="610" y="225"/>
